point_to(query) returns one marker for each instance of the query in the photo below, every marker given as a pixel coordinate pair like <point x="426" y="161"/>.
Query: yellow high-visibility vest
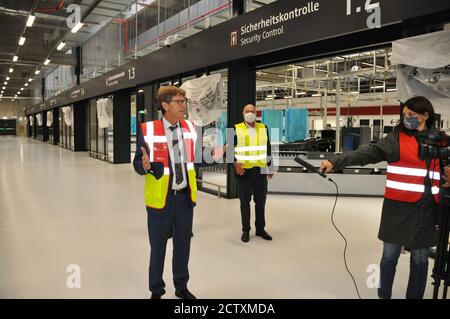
<point x="251" y="152"/>
<point x="156" y="190"/>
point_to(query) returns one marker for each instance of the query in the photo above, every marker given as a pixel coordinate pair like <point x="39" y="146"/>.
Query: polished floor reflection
<point x="59" y="208"/>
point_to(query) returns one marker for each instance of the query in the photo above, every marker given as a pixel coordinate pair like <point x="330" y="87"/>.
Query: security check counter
<point x="291" y="178"/>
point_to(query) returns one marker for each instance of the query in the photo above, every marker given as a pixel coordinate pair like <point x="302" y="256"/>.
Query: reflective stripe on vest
<point x="411" y="187"/>
<point x="405" y="179"/>
<point x="413" y="172"/>
<point x="251" y="152"/>
<point x="156" y="190"/>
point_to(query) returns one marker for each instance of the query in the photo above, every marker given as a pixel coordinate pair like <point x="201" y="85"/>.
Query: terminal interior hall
<point x="81" y="84"/>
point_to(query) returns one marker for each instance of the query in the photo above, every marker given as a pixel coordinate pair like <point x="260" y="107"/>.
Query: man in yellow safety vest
<point x="252" y="153"/>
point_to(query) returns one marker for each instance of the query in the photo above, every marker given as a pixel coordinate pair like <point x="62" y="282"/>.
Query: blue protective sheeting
<point x="274" y="122"/>
<point x="296" y="124"/>
<point x="221" y="125"/>
<point x="133" y="125"/>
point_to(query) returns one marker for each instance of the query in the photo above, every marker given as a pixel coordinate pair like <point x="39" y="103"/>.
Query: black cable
<point x="345" y="239"/>
<point x="322" y="172"/>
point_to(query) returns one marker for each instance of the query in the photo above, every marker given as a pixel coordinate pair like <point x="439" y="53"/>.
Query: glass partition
<point x="109" y="133"/>
<point x="101" y="128"/>
<point x="40" y="126"/>
<point x="66" y="127"/>
<point x="93" y="128"/>
<point x="61" y="127"/>
<point x="133" y="125"/>
<point x="302" y="101"/>
<point x="50" y="127"/>
<point x="61" y="78"/>
<point x="214" y="177"/>
<point x="102" y="141"/>
<point x="251" y="5"/>
<point x="146" y="26"/>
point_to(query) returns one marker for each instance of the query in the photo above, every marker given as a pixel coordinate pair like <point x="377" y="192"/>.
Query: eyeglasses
<point x="180" y="102"/>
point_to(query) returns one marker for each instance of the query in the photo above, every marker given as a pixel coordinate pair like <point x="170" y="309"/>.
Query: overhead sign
<point x="271" y="26"/>
<point x="77" y="93"/>
<point x="279" y="25"/>
<point x="114" y="79"/>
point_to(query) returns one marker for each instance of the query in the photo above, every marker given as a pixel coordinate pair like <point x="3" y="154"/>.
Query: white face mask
<point x="250" y="117"/>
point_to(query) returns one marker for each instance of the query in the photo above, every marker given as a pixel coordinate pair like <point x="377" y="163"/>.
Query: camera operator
<point x="410" y="209"/>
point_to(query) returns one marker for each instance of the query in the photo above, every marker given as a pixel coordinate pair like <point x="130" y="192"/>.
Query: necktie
<point x="176" y="155"/>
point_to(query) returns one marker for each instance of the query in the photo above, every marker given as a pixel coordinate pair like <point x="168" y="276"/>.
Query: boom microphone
<point x="311" y="168"/>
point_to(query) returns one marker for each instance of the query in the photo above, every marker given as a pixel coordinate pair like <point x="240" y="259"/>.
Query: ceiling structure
<point x="49" y="29"/>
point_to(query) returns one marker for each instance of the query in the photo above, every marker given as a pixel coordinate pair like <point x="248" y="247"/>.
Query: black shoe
<point x="155" y="296"/>
<point x="184" y="294"/>
<point x="245" y="237"/>
<point x="264" y="235"/>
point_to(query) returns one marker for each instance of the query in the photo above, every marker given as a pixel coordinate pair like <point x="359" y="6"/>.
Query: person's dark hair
<point x="166" y="94"/>
<point x="420" y="105"/>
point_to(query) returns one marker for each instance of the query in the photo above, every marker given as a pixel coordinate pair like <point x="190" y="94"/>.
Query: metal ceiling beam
<point x="53" y="27"/>
<point x="103" y="15"/>
<point x="23" y="63"/>
<point x="14" y="12"/>
<point x="91" y="8"/>
<point x="51" y="17"/>
<point x="117" y="3"/>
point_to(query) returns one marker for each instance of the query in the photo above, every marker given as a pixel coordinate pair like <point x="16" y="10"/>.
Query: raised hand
<point x="145" y="159"/>
<point x="218" y="152"/>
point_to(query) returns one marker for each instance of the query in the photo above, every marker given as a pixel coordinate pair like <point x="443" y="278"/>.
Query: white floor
<point x="59" y="208"/>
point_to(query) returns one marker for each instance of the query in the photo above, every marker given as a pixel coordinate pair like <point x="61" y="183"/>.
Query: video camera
<point x="434" y="145"/>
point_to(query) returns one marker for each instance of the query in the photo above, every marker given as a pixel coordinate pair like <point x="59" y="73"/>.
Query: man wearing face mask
<point x="252" y="152"/>
<point x="410" y="209"/>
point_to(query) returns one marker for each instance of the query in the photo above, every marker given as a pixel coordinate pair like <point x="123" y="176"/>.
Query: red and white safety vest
<point x="405" y="180"/>
<point x="156" y="190"/>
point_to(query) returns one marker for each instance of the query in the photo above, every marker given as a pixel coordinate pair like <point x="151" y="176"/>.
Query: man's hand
<point x="238" y="168"/>
<point x="218" y="152"/>
<point x="446" y="177"/>
<point x="326" y="165"/>
<point x="145" y="159"/>
<point x="269" y="176"/>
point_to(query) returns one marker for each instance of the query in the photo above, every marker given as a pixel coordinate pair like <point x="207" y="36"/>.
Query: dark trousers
<point x="176" y="216"/>
<point x="417" y="275"/>
<point x="253" y="183"/>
